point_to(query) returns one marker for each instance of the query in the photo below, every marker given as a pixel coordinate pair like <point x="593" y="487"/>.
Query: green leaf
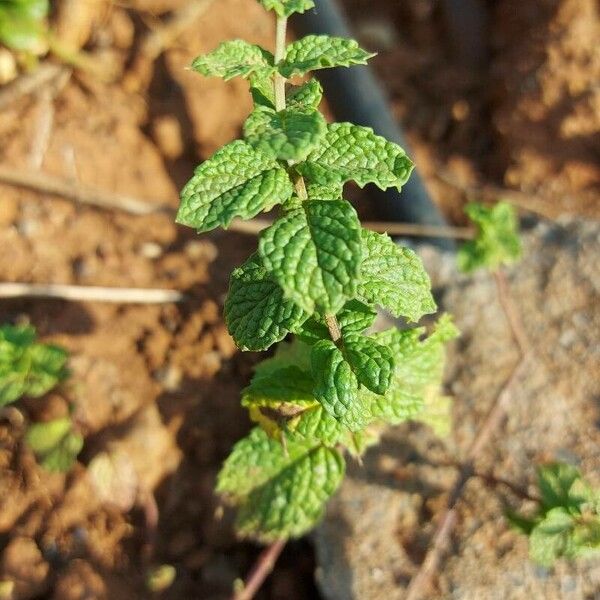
<point x="551" y="538"/>
<point x="238" y="181"/>
<point x="419" y="366"/>
<point x="235" y="58"/>
<point x="55" y="443"/>
<point x="497" y="240"/>
<point x="289" y="385"/>
<point x="285" y="8"/>
<point x="276" y="397"/>
<point x="355" y="317"/>
<point x="371" y="362"/>
<point x="316" y="191"/>
<point x="26" y="367"/>
<point x="336" y="386"/>
<point x="282" y="401"/>
<point x="287" y="354"/>
<point x="308" y="95"/>
<point x="315" y="52"/>
<point x="281" y="493"/>
<point x="256" y="313"/>
<point x="353" y="153"/>
<point x="286" y="135"/>
<point x="314" y="253"/>
<point x="557" y="484"/>
<point x="316" y="424"/>
<point x="394" y="278"/>
<point x="22" y="24"/>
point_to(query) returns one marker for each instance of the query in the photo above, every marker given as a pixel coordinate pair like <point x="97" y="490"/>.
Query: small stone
<point x="151" y="250"/>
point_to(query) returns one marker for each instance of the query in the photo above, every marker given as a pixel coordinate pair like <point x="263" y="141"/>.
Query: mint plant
<point x="30" y="369"/>
<point x="567" y="520"/>
<point x="316" y="274"/>
<point x="496" y="241"/>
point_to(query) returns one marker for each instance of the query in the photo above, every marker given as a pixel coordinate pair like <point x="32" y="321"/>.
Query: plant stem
<point x="334" y="327"/>
<point x="279" y="81"/>
<point x="264" y="565"/>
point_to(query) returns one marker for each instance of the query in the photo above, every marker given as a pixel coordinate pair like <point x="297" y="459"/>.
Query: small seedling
<point x="30" y="369"/>
<point x="567" y="520"/>
<point x="316" y="274"/>
<point x="496" y="241"/>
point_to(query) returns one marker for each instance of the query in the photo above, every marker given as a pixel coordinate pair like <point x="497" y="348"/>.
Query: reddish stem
<point x="260" y="571"/>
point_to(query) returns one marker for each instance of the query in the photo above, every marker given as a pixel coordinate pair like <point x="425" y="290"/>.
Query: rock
<point x="380" y="524"/>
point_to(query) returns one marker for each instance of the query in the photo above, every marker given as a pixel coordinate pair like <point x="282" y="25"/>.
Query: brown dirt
<point x="160" y="384"/>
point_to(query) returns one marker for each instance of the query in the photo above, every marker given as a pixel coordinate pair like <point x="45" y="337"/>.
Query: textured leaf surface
<point x="238" y="181"/>
<point x="321" y="52"/>
<point x="336" y="386"/>
<point x="308" y="95"/>
<point x="235" y="58"/>
<point x="55" y="444"/>
<point x="394" y="278"/>
<point x="280" y="494"/>
<point x="353" y="153"/>
<point x="355" y="317"/>
<point x="314" y="253"/>
<point x="27" y="368"/>
<point x="419" y="364"/>
<point x="316" y="423"/>
<point x="286" y="135"/>
<point x="285" y="8"/>
<point x="316" y="191"/>
<point x="256" y="313"/>
<point x="371" y="362"/>
<point x="497" y="240"/>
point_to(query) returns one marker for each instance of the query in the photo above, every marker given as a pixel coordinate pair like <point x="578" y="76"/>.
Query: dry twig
<point x="494" y="418"/>
<point x="40" y="182"/>
<point x="30" y="82"/>
<point x="263" y="566"/>
<point x="89" y="293"/>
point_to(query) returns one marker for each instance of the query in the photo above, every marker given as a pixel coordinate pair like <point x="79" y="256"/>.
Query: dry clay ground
<point x="160" y="384"/>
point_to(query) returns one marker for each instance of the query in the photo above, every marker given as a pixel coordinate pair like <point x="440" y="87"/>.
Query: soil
<point x="155" y="389"/>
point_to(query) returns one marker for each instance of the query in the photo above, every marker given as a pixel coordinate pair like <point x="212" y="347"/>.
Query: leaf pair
<point x="316" y="258"/>
<point x="238" y="58"/>
<point x="27" y="368"/>
<point x="245" y="178"/>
